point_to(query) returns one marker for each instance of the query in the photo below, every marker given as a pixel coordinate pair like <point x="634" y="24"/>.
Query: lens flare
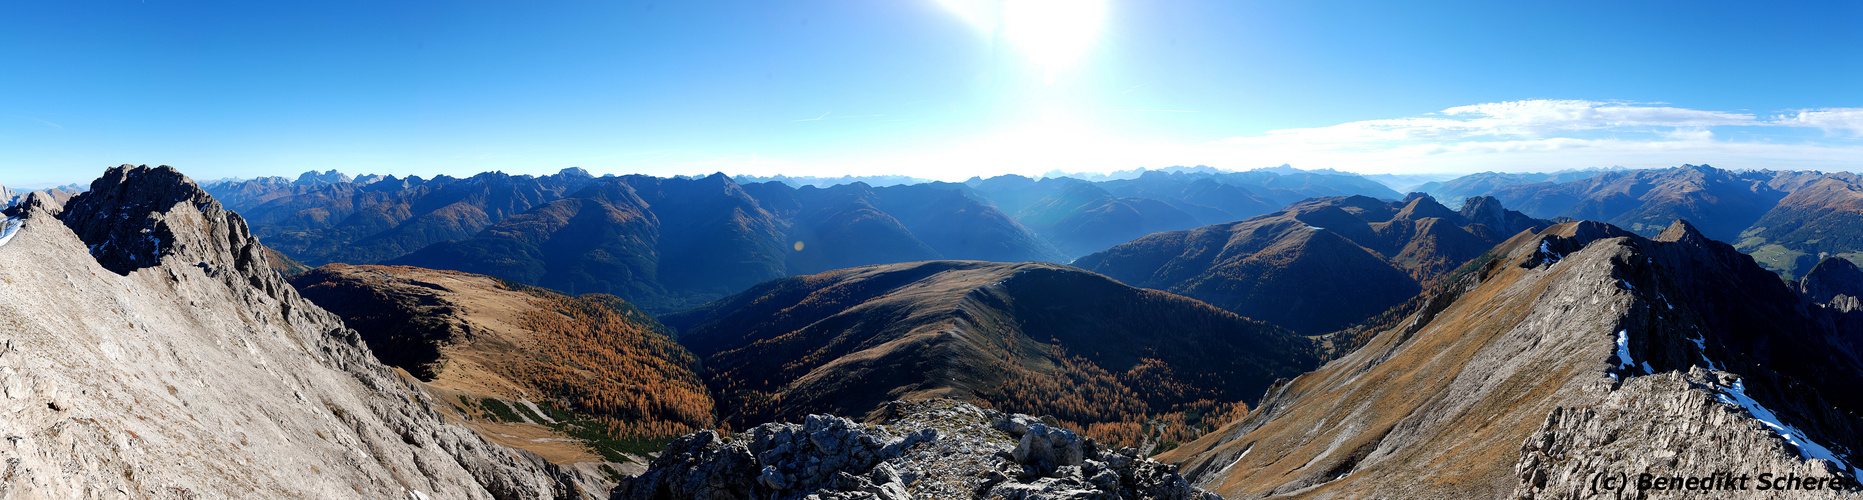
<point x="1052" y="34"/>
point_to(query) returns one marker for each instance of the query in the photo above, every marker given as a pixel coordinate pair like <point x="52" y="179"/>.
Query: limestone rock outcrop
<point x="147" y="349"/>
<point x="920" y="449"/>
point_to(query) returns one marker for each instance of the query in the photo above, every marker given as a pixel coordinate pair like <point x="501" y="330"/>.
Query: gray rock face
<point x="834" y="455"/>
<point x="315" y="178"/>
<point x="922" y="449"/>
<point x="128" y="220"/>
<point x="175" y="363"/>
<point x="1671" y="424"/>
<point x="1046" y="448"/>
<point x="1600" y="350"/>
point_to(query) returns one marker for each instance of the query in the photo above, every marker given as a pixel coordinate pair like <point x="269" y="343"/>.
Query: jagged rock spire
<point x="134" y="216"/>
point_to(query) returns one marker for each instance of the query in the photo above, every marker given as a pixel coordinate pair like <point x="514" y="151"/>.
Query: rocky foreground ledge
<point x="921" y="449"/>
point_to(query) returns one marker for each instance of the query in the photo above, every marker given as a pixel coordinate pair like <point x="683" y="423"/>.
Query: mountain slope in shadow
<point x="1034" y="337"/>
<point x="1318" y="265"/>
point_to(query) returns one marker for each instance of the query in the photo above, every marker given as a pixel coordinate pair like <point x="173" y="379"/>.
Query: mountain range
<point x="1284" y="267"/>
<point x="602" y="337"/>
<point x="1482" y="183"/>
<point x="673" y="243"/>
<point x="1755" y="209"/>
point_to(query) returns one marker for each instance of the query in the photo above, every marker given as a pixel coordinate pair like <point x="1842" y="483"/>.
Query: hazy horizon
<point x="936" y="89"/>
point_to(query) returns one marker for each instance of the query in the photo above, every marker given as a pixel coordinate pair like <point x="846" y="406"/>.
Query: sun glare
<point x="1052" y="34"/>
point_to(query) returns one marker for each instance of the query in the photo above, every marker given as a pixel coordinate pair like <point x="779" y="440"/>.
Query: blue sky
<point x="930" y="88"/>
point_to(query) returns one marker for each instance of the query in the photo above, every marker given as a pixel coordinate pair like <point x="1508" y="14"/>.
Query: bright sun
<point x="1052" y="34"/>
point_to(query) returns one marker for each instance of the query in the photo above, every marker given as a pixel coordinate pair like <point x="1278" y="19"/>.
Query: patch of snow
<point x="1624" y="361"/>
<point x="1547" y="252"/>
<point x="1232" y="463"/>
<point x="156" y="253"/>
<point x="8" y="228"/>
<point x="1626" y="283"/>
<point x="1314" y="228"/>
<point x="1737" y="395"/>
<point x="1703" y="349"/>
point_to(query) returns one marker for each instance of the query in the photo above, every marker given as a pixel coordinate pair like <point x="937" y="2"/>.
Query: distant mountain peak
<point x="1288" y="169"/>
<point x="1419" y="207"/>
<point x="1832" y="277"/>
<point x="1682" y="231"/>
<point x="314" y="178"/>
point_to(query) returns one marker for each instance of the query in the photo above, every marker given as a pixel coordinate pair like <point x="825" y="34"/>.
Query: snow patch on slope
<point x="1225" y="472"/>
<point x="1737" y="395"/>
<point x="1702" y="347"/>
<point x="1547" y="255"/>
<point x="1624" y="361"/>
<point x="8" y="228"/>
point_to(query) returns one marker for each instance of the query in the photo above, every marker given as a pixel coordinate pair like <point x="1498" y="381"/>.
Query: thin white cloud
<point x="1533" y="118"/>
<point x="1540" y="117"/>
<point x="1534" y="134"/>
<point x="1832" y="120"/>
<point x="47" y="122"/>
<point x="1539" y="135"/>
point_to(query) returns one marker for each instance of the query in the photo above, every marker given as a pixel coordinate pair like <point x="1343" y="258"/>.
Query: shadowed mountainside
<point x="1318" y="265"/>
<point x="608" y="367"/>
<point x="1081" y="217"/>
<point x="1033" y="337"/>
<point x="322" y="219"/>
<point x="1822" y="219"/>
<point x="1484" y="183"/>
<point x="671" y="244"/>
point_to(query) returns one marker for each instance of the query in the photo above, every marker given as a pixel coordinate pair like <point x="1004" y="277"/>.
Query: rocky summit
<point x="148" y="350"/>
<point x="937" y="448"/>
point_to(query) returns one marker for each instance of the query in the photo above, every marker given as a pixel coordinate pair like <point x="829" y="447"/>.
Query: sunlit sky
<point x="939" y="89"/>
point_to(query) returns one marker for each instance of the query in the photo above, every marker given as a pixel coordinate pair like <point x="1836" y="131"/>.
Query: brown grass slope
<point x="1439" y="406"/>
<point x="475" y="337"/>
<point x="1030" y="337"/>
